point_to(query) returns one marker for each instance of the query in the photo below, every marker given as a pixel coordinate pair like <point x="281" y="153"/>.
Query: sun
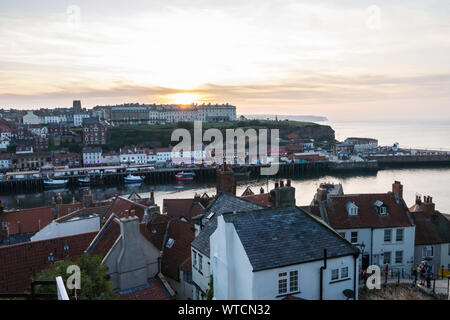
<point x="184" y="98"/>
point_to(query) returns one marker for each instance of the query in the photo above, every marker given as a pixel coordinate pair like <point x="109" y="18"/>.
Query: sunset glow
<point x="299" y="57"/>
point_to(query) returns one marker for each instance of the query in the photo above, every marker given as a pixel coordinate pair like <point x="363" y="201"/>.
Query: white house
<point x="51" y="119"/>
<point x="92" y="156"/>
<point x="163" y="155"/>
<point x="201" y="272"/>
<point x="31" y="118"/>
<point x="133" y="156"/>
<point x="379" y="224"/>
<point x="278" y="252"/>
<point x="78" y="119"/>
<point x="5" y="161"/>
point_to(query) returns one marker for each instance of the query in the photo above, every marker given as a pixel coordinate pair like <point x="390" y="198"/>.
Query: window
<point x="200" y="262"/>
<point x="383" y="211"/>
<point x="187" y="276"/>
<point x="334" y="274"/>
<point x="387" y="235"/>
<point x="428" y="251"/>
<point x="387" y="257"/>
<point x="194" y="259"/>
<point x="398" y="256"/>
<point x="293" y="281"/>
<point x="353" y="211"/>
<point x="354" y="237"/>
<point x="282" y="283"/>
<point x="344" y="272"/>
<point x="399" y="235"/>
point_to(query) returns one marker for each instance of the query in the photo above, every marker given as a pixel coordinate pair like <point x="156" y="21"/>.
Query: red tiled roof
<point x="20" y="262"/>
<point x="155" y="291"/>
<point x="121" y="204"/>
<point x="105" y="238"/>
<point x="28" y="220"/>
<point x="175" y="257"/>
<point x="66" y="208"/>
<point x="261" y="198"/>
<point x="431" y="228"/>
<point x="367" y="217"/>
<point x="182" y="208"/>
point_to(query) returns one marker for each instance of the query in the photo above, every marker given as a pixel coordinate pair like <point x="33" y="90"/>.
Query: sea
<point x="435" y="182"/>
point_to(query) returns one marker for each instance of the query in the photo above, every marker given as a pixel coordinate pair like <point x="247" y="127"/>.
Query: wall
<point x="266" y="282"/>
<point x="407" y="246"/>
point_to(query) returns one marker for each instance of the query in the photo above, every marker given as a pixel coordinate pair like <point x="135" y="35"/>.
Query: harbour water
<point x="424" y="181"/>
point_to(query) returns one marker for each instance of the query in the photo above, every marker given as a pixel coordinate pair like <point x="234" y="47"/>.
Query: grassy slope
<point x="159" y="135"/>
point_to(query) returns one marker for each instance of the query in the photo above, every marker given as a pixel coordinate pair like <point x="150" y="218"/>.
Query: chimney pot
<point x="126" y="215"/>
<point x="281" y="183"/>
<point x="133" y="213"/>
<point x="288" y="182"/>
<point x="276" y="185"/>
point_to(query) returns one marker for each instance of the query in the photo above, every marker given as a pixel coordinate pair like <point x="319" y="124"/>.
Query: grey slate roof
<point x="279" y="237"/>
<point x="223" y="203"/>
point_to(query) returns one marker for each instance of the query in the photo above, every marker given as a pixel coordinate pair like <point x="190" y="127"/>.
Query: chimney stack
<point x="225" y="180"/>
<point x="87" y="198"/>
<point x="283" y="196"/>
<point x="131" y="263"/>
<point x="397" y="188"/>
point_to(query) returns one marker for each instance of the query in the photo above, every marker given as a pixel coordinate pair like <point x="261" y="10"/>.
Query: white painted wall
<point x="234" y="277"/>
<point x="68" y="228"/>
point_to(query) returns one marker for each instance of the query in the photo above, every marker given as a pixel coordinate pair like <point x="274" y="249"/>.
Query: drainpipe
<point x="355" y="287"/>
<point x="321" y="272"/>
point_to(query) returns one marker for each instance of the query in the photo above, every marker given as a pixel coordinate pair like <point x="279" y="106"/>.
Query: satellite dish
<point x="349" y="294"/>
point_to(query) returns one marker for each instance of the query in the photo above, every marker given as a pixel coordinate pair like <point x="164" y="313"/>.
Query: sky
<point x="347" y="59"/>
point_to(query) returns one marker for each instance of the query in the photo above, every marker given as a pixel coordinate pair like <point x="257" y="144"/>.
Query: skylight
<point x="170" y="243"/>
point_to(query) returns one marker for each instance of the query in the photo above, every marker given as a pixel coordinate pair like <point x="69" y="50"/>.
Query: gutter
<point x="321" y="273"/>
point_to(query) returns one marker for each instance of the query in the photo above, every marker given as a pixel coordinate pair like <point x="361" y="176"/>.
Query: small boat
<point x="185" y="176"/>
<point x="133" y="179"/>
<point x="50" y="183"/>
<point x="84" y="180"/>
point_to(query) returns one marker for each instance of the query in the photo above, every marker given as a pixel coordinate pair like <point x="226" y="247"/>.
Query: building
<point x="5" y="161"/>
<point x="432" y="235"/>
<point x="71" y="160"/>
<point x="362" y="144"/>
<point x="183" y="209"/>
<point x="27" y="159"/>
<point x="76" y="106"/>
<point x="58" y="129"/>
<point x="78" y="118"/>
<point x="163" y="155"/>
<point x="135" y="155"/>
<point x="111" y="158"/>
<point x="138" y="114"/>
<point x="279" y="253"/>
<point x="31" y="118"/>
<point x="380" y="224"/>
<point x="94" y="132"/>
<point x="92" y="156"/>
<point x="201" y="266"/>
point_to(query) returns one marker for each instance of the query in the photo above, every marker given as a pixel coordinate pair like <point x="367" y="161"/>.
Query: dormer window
<point x="352" y="209"/>
<point x="381" y="208"/>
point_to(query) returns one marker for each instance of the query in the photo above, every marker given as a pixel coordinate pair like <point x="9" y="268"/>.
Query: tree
<point x="95" y="284"/>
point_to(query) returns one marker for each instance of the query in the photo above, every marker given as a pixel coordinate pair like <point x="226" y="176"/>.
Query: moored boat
<point x="133" y="179"/>
<point x="185" y="176"/>
<point x="84" y="180"/>
<point x="51" y="183"/>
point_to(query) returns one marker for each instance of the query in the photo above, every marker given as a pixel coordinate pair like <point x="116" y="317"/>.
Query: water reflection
<point x="427" y="181"/>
